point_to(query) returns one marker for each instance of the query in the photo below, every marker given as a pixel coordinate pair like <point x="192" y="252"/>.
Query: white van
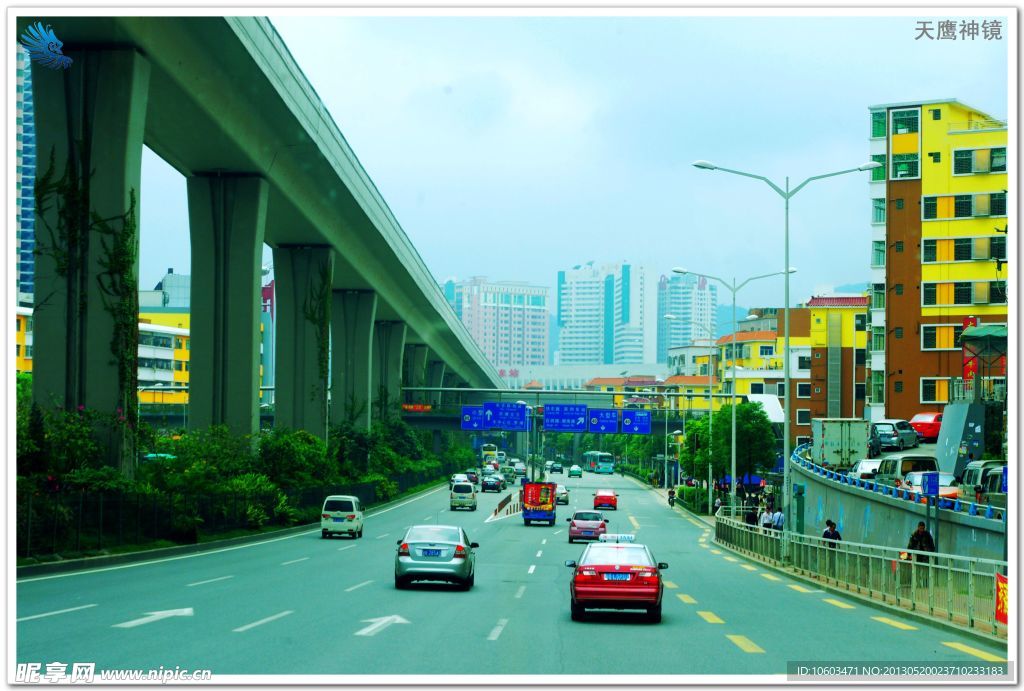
<point x="342" y="513"/>
<point x="462" y="496"/>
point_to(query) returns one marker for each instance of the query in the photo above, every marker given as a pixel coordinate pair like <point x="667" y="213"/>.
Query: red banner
<point x="417" y="407"/>
<point x="1002" y="598"/>
<point x="970" y="359"/>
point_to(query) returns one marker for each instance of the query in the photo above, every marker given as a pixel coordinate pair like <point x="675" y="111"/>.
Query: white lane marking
<point x="556" y="532"/>
<point x="533" y="567"/>
<point x="379" y="624"/>
<point x="154" y="616"/>
<point x="349" y="590"/>
<point x="382" y="536"/>
<point x="212" y="551"/>
<point x="519" y="593"/>
<point x="50" y="614"/>
<point x="293" y="561"/>
<point x="253" y="625"/>
<point x="342" y="549"/>
<point x="212" y="580"/>
<point x="544" y="541"/>
<point x="540" y="552"/>
<point x="496" y="631"/>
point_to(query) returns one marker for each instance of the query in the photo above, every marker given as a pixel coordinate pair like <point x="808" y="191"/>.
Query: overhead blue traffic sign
<point x="560" y="417"/>
<point x="473" y="417"/>
<point x="510" y="417"/>
<point x="930" y="484"/>
<point x="603" y="421"/>
<point x="1004" y="485"/>
<point x="636" y="422"/>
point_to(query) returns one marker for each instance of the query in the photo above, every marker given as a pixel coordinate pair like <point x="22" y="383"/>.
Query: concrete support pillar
<point x="436" y="442"/>
<point x="90" y="119"/>
<point x="415" y="371"/>
<point x="227" y="217"/>
<point x="303" y="281"/>
<point x="388" y="350"/>
<point x="435" y="379"/>
<point x="352" y="325"/>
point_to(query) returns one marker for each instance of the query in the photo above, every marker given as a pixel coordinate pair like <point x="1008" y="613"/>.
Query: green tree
<point x="755" y="440"/>
<point x="294" y="458"/>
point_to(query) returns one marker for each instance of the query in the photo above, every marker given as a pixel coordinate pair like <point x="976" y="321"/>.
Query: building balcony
<point x="976" y="126"/>
<point x="963" y="390"/>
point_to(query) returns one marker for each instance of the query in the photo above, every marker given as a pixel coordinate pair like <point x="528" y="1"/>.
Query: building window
<point x="898" y="246"/>
<point x="878" y="124"/>
<point x="757" y="388"/>
<point x="904" y="166"/>
<point x="780" y="389"/>
<point x="930" y="206"/>
<point x="878" y="296"/>
<point x="963" y="162"/>
<point x="878" y="174"/>
<point x="936" y="114"/>
<point x="28" y="352"/>
<point x="817" y="356"/>
<point x="936" y="156"/>
<point x="999" y="160"/>
<point x="877" y="387"/>
<point x="767" y="351"/>
<point x="858" y="391"/>
<point x="817" y="389"/>
<point x="803" y="416"/>
<point x="877" y="338"/>
<point x="899" y="204"/>
<point x="803" y="362"/>
<point x="803" y="389"/>
<point x="897" y="387"/>
<point x="878" y="210"/>
<point x="898" y="288"/>
<point x="17" y="350"/>
<point x="997" y="247"/>
<point x="860" y="356"/>
<point x="898" y="332"/>
<point x="860" y="322"/>
<point x="17" y="324"/>
<point x="997" y="205"/>
<point x="934" y="390"/>
<point x="928" y="251"/>
<point x="179" y="365"/>
<point x="941" y="337"/>
<point x="963" y="293"/>
<point x="963" y="206"/>
<point x="929" y="294"/>
<point x="904" y="121"/>
<point x="877" y="253"/>
<point x="997" y="293"/>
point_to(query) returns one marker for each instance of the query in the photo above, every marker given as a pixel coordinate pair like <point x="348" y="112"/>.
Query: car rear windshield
<point x="587" y="516"/>
<point x="432" y="533"/>
<point x="463" y="489"/>
<point x="618" y="554"/>
<point x="888" y="429"/>
<point x="605" y="492"/>
<point x="339" y="505"/>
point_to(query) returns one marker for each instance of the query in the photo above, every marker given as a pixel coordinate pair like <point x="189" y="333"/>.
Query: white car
<point x="462" y="496"/>
<point x="457" y="477"/>
<point x="865" y="469"/>
<point x="341" y="514"/>
<point x="561" y="495"/>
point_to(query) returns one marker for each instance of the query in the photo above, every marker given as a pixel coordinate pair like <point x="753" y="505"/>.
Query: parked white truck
<point x="839" y="442"/>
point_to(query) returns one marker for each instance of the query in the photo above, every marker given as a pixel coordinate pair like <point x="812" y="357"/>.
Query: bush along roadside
<point x="199" y="485"/>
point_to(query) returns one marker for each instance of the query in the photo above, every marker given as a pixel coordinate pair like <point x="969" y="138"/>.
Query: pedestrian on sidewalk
<point x="778" y="519"/>
<point x="765" y="520"/>
<point x="718" y="504"/>
<point x="921" y="540"/>
<point x="831" y="534"/>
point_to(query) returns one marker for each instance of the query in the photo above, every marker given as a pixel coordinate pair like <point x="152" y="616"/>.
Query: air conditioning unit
<point x="902" y="130"/>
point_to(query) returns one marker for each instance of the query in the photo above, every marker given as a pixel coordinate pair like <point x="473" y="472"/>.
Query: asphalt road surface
<point x="301" y="605"/>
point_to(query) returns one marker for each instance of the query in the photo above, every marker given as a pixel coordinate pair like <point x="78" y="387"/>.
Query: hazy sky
<point x="515" y="147"/>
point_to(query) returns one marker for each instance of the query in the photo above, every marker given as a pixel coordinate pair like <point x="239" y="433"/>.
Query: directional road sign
<point x="510" y="417"/>
<point x="929" y="484"/>
<point x="604" y="421"/>
<point x="1004" y="484"/>
<point x="636" y="422"/>
<point x="473" y="417"/>
<point x="565" y="417"/>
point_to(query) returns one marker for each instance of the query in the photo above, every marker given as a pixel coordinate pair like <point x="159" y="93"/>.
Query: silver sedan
<point x="435" y="553"/>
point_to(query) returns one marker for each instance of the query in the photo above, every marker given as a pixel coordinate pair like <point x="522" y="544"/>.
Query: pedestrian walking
<point x="831" y="534"/>
<point x="751" y="516"/>
<point x="921" y="540"/>
<point x="718" y="504"/>
<point x="778" y="519"/>
<point x="765" y="520"/>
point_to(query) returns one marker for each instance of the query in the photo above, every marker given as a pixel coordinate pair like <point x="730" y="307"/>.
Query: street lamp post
<point x="665" y="460"/>
<point x="529" y="412"/>
<point x="733" y="289"/>
<point x="711" y="378"/>
<point x="786" y="195"/>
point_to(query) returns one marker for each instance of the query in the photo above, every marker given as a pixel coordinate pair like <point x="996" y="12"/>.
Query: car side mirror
<point x="474" y="545"/>
<point x="567" y="520"/>
<point x="662" y="566"/>
<point x="570" y="563"/>
<point x="399" y="542"/>
<point x="594" y="494"/>
<point x="605" y="520"/>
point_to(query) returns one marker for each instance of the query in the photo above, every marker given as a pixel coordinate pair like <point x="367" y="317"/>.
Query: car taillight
<point x="351" y="517"/>
<point x="403" y="551"/>
<point x="647" y="577"/>
<point x="586" y="575"/>
<point x="572" y="524"/>
<point x="460" y="552"/>
<point x="325" y="515"/>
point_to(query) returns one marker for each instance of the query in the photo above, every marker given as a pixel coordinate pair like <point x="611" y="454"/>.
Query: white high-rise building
<point x="603" y="315"/>
<point x="693" y="301"/>
<point x="507" y="319"/>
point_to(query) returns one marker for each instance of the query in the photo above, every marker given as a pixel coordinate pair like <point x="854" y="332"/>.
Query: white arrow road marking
<point x="544" y="541"/>
<point x="253" y="625"/>
<point x="349" y="590"/>
<point x="496" y="631"/>
<point x="540" y="552"/>
<point x="155" y="616"/>
<point x="59" y="611"/>
<point x="212" y="580"/>
<point x="379" y="624"/>
<point x="293" y="561"/>
<point x="533" y="567"/>
<point x="519" y="593"/>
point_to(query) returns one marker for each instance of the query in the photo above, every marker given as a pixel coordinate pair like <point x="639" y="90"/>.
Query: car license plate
<point x="616" y="577"/>
<point x="433" y="553"/>
<point x="339" y="520"/>
<point x="588" y="532"/>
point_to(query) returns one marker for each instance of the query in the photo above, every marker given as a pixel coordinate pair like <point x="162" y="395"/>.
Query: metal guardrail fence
<point x="959" y="589"/>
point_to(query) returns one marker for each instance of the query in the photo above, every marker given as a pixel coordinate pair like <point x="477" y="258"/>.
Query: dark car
<point x="491" y="483"/>
<point x="556" y="468"/>
<point x="473" y="476"/>
<point x="874" y="443"/>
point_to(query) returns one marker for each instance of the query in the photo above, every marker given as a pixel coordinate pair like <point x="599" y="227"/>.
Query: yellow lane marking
<point x="686" y="599"/>
<point x="748" y="567"/>
<point x="635" y="524"/>
<point x="704" y="546"/>
<point x="730" y="558"/>
<point x="800" y="589"/>
<point x="770" y="577"/>
<point x="838" y="603"/>
<point x="703" y="539"/>
<point x="745" y="644"/>
<point x="988" y="657"/>
<point x="696" y="524"/>
<point x="670" y="585"/>
<point x="716" y="551"/>
<point x="896" y="624"/>
<point x="710" y="617"/>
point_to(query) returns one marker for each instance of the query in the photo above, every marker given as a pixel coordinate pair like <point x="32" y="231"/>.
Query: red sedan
<point x="616" y="574"/>
<point x="927" y="426"/>
<point x="606" y="499"/>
